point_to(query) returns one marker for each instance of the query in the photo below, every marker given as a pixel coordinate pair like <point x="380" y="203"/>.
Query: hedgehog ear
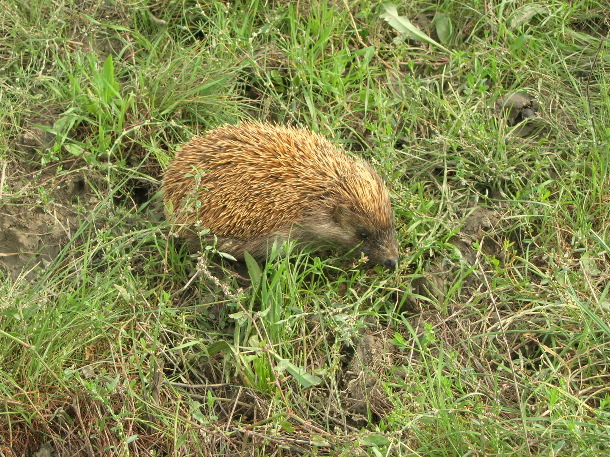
<point x="341" y="214"/>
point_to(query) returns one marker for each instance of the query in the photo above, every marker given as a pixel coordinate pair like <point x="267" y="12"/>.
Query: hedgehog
<point x="253" y="184"/>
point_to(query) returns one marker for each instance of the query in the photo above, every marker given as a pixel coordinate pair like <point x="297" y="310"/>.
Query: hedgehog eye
<point x="364" y="235"/>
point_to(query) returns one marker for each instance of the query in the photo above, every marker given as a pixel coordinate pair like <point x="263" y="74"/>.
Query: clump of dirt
<point x="518" y="106"/>
<point x="519" y="110"/>
<point x="361" y="382"/>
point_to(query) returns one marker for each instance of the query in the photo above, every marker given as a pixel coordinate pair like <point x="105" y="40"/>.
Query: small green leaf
<point x="240" y="317"/>
<point x="519" y="42"/>
<point x="196" y="412"/>
<point x="218" y="346"/>
<point x="319" y="440"/>
<point x="525" y="14"/>
<point x="131" y="439"/>
<point x="287" y="426"/>
<point x="399" y="340"/>
<point x="444" y="27"/>
<point x="403" y="25"/>
<point x="226" y="255"/>
<point x="74" y="149"/>
<point x="302" y="377"/>
<point x="374" y="440"/>
<point x="211" y="400"/>
<point x="108" y="68"/>
<point x="253" y="270"/>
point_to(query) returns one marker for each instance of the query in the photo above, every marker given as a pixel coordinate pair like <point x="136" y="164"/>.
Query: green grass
<point x="493" y="338"/>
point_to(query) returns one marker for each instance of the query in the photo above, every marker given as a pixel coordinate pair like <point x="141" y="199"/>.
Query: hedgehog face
<point x="349" y="229"/>
<point x="373" y="236"/>
<point x="379" y="245"/>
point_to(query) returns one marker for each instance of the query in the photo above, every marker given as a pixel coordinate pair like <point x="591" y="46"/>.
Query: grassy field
<point x="490" y="122"/>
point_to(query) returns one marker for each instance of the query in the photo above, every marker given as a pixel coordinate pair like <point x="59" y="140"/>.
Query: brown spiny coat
<point x="254" y="183"/>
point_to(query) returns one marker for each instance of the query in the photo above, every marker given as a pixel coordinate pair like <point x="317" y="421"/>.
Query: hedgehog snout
<point x="391" y="263"/>
<point x="386" y="252"/>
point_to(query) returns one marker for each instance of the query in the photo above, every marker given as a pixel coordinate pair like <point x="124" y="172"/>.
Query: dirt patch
<point x="519" y="110"/>
<point x="28" y="240"/>
<point x="362" y="391"/>
<point x="40" y="215"/>
<point x="44" y="201"/>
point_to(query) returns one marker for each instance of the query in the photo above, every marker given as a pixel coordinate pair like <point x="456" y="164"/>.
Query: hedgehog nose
<point x="391" y="263"/>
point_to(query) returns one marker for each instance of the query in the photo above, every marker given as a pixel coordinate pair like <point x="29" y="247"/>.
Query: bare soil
<point x="41" y="210"/>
